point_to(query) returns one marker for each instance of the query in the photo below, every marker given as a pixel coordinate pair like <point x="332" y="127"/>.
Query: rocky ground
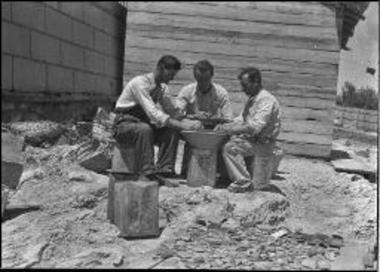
<point x="297" y="226"/>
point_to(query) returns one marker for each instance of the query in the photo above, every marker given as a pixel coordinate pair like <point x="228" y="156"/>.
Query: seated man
<point x="141" y="120"/>
<point x="254" y="132"/>
<point x="203" y="99"/>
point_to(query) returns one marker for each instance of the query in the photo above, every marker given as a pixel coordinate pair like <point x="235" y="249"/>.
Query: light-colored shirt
<point x="216" y="101"/>
<point x="261" y="117"/>
<point x="154" y="99"/>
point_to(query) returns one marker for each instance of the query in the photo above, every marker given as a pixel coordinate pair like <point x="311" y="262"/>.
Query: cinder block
<point x="84" y="82"/>
<point x="93" y="15"/>
<point x="102" y="86"/>
<point x="100" y="41"/>
<point x="28" y="75"/>
<point x="6" y="10"/>
<point x="31" y="14"/>
<point x="52" y="4"/>
<point x="6" y="72"/>
<point x="74" y="9"/>
<point x="111" y="67"/>
<point x="83" y="34"/>
<point x="60" y="79"/>
<point x="113" y="47"/>
<point x="45" y="48"/>
<point x="72" y="55"/>
<point x="94" y="62"/>
<point x="15" y="40"/>
<point x="59" y="24"/>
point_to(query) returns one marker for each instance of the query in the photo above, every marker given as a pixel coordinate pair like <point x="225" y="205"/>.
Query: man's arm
<point x="156" y="115"/>
<point x="255" y="121"/>
<point x="226" y="107"/>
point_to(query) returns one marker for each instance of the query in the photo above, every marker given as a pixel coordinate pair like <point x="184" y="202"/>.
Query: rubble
<point x="201" y="227"/>
<point x="37" y="133"/>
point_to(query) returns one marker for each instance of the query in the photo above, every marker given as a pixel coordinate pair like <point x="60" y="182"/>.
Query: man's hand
<point x="187" y="124"/>
<point x="229" y="128"/>
<point x="199" y="115"/>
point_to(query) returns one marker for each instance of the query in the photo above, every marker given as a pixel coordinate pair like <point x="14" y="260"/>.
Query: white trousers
<point x="234" y="152"/>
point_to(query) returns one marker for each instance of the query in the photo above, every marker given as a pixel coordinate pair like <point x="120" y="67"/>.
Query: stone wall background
<point x="60" y="60"/>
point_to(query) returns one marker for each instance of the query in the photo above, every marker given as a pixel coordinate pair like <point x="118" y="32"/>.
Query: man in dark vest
<point x="145" y="117"/>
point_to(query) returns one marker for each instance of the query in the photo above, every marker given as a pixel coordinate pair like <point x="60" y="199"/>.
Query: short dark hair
<point x="254" y="74"/>
<point x="169" y="62"/>
<point x="203" y="66"/>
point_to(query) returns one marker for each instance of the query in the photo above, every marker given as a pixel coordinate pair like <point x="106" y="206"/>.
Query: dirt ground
<point x="201" y="227"/>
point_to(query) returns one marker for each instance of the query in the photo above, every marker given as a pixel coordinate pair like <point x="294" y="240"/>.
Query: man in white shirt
<point x="253" y="132"/>
<point x="142" y="119"/>
<point x="203" y="98"/>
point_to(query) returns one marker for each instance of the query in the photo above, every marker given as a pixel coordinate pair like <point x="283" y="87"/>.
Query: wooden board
<point x="195" y="9"/>
<point x="306" y="149"/>
<point x="244" y="26"/>
<point x="227" y="64"/>
<point x="177" y="46"/>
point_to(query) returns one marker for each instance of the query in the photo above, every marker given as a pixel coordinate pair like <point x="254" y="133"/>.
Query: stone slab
<point x="353" y="166"/>
<point x="11" y="159"/>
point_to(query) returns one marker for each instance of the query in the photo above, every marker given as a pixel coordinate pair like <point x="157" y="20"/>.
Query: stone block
<point x="28" y="75"/>
<point x="83" y="34"/>
<point x="15" y="40"/>
<point x="59" y="24"/>
<point x="80" y="82"/>
<point x="6" y="10"/>
<point x="113" y="47"/>
<point x="93" y="15"/>
<point x="11" y="159"/>
<point x="60" y="79"/>
<point x="96" y="161"/>
<point x="6" y="72"/>
<point x="30" y="14"/>
<point x="94" y="62"/>
<point x="112" y="67"/>
<point x="45" y="48"/>
<point x="101" y="40"/>
<point x="74" y="9"/>
<point x="52" y="4"/>
<point x="72" y="55"/>
<point x="135" y="208"/>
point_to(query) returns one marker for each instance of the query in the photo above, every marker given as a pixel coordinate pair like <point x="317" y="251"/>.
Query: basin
<point x="204" y="148"/>
<point x="204" y="139"/>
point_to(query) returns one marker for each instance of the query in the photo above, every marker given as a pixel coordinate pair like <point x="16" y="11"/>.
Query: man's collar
<point x="208" y="91"/>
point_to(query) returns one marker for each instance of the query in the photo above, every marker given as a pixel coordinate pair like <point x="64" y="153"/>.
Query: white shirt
<point x="154" y="99"/>
<point x="216" y="101"/>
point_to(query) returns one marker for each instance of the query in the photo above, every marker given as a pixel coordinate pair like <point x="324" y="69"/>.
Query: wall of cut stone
<point x="56" y="54"/>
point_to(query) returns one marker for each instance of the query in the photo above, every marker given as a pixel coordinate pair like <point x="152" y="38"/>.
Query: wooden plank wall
<point x="294" y="44"/>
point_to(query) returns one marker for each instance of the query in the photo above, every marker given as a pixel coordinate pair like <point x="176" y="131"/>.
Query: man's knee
<point x="131" y="132"/>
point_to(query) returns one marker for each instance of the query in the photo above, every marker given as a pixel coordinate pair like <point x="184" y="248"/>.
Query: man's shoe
<point x="241" y="186"/>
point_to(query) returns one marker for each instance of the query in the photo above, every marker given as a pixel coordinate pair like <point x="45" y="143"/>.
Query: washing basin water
<point x="204" y="138"/>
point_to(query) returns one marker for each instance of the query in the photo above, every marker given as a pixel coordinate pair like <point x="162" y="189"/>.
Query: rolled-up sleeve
<point x="226" y="107"/>
<point x="142" y="96"/>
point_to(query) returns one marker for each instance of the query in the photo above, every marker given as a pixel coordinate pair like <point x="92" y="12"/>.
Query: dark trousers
<point x="143" y="136"/>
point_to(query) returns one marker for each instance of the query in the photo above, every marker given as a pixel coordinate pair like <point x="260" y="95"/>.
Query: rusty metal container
<point x="132" y="204"/>
<point x="205" y="145"/>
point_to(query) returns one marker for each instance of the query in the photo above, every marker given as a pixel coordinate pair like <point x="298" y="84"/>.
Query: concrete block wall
<point x="60" y="52"/>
